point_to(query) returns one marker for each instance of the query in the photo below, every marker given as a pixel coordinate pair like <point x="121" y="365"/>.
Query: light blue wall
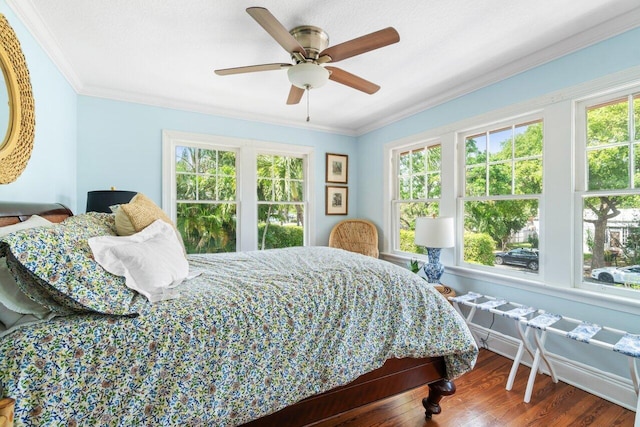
<point x="614" y="55"/>
<point x="120" y="145"/>
<point x="50" y="175"/>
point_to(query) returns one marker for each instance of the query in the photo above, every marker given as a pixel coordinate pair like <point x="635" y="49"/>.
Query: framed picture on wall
<point x="337" y="200"/>
<point x="337" y="168"/>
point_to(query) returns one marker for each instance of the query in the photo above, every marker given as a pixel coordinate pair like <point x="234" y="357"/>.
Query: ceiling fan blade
<point x="340" y="76"/>
<point x="295" y="95"/>
<point x="276" y="30"/>
<point x="361" y="45"/>
<point x="251" y="69"/>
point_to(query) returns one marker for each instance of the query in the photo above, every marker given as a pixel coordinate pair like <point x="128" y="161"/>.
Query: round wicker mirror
<point x="17" y="145"/>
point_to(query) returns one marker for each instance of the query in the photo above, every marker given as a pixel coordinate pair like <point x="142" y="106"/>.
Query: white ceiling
<point x="163" y="52"/>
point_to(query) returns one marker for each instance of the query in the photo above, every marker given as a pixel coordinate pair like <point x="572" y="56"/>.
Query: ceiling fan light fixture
<point x="308" y="75"/>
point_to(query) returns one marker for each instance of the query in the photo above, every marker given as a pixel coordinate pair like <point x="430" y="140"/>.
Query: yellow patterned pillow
<point x="137" y="215"/>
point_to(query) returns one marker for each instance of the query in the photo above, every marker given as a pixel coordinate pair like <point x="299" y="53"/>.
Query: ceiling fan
<point x="307" y="46"/>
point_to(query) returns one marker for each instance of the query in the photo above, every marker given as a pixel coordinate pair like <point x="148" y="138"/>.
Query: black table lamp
<point x="100" y="200"/>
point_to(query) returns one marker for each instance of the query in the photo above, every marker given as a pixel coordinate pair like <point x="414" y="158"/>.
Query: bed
<point x="277" y="337"/>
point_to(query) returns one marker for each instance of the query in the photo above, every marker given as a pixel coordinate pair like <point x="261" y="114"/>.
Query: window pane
<point x="207" y="228"/>
<point x="226" y="162"/>
<point x="611" y="240"/>
<point x="405" y="188"/>
<point x="514" y="149"/>
<point x="500" y="144"/>
<point x="500" y="179"/>
<point x="279" y="178"/>
<point x="418" y="161"/>
<point x="200" y="175"/>
<point x="185" y="187"/>
<point x="433" y="186"/>
<point x="265" y="166"/>
<point x="528" y="140"/>
<point x="419" y="187"/>
<point x="476" y="149"/>
<point x="296" y="168"/>
<point x="528" y="179"/>
<point x="608" y="168"/>
<point x="185" y="159"/>
<point x="280" y="226"/>
<point x="418" y="179"/>
<point x="407" y="214"/>
<point x="297" y="191"/>
<point x="226" y="188"/>
<point x="265" y="190"/>
<point x="207" y="161"/>
<point x="404" y="166"/>
<point x="476" y="181"/>
<point x="434" y="158"/>
<point x="608" y="123"/>
<point x="207" y="188"/>
<point x="280" y="190"/>
<point x="494" y="228"/>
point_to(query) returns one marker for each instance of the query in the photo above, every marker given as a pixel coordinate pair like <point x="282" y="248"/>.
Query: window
<point x="280" y="201"/>
<point x="548" y="199"/>
<point x="417" y="191"/>
<point x="206" y="202"/>
<point x="228" y="195"/>
<point x="501" y="196"/>
<point x="610" y="192"/>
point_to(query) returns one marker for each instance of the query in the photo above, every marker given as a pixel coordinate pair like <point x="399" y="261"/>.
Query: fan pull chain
<point x="307" y="87"/>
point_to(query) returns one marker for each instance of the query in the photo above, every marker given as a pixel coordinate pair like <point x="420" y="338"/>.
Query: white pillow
<point x="14" y="304"/>
<point x="152" y="260"/>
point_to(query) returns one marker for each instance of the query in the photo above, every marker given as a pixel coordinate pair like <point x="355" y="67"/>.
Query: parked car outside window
<point x="521" y="256"/>
<point x="623" y="275"/>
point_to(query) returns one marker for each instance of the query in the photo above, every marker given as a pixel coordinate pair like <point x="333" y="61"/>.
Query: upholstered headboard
<point x="14" y="212"/>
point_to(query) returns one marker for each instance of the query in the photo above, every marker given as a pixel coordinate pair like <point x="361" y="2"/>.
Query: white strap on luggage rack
<point x="541" y="322"/>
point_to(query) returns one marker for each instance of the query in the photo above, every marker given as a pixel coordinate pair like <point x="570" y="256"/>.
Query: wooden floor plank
<point x="481" y="400"/>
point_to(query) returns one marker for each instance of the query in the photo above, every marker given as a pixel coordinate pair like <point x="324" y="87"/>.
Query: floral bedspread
<point x="255" y="332"/>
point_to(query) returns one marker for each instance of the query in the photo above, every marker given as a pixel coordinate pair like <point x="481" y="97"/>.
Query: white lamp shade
<point x="435" y="232"/>
<point x="307" y="74"/>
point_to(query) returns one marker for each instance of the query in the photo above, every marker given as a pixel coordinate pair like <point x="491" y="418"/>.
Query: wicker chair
<point x="355" y="235"/>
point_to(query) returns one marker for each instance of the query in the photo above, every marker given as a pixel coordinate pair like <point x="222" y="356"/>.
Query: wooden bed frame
<point x="395" y="376"/>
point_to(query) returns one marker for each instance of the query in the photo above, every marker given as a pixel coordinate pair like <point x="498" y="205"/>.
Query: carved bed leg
<point x="437" y="391"/>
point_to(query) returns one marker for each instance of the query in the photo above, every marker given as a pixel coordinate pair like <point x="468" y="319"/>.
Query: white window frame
<point x="581" y="171"/>
<point x="246" y="164"/>
<point x="394" y="152"/>
<point x="462" y="197"/>
<point x="559" y="162"/>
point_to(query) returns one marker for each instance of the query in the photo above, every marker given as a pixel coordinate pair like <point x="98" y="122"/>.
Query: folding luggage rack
<point x="536" y="322"/>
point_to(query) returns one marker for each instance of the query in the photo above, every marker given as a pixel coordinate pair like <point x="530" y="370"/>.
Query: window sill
<point x="607" y="301"/>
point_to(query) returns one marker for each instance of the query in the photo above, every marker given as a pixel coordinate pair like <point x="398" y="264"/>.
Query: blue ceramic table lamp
<point x="434" y="234"/>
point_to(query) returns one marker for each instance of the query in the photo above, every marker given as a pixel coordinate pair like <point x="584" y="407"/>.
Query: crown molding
<point x="175" y="104"/>
<point x="604" y="31"/>
<point x="35" y="24"/>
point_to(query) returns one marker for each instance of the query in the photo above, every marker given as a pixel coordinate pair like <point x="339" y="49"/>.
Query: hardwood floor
<point x="481" y="400"/>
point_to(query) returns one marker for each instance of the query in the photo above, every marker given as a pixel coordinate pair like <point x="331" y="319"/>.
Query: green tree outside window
<point x="500" y="164"/>
<point x="206" y="199"/>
